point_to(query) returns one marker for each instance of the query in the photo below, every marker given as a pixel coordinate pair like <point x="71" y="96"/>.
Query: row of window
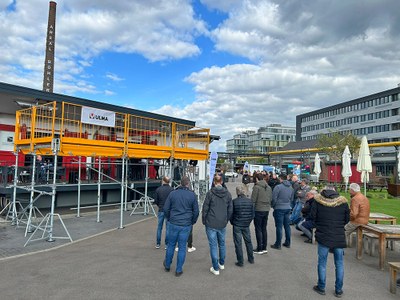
<point x="351" y="120"/>
<point x="353" y="107"/>
<point x="361" y="131"/>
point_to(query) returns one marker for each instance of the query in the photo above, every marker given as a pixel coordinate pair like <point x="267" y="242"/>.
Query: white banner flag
<point x="96" y="116"/>
<point x="213" y="165"/>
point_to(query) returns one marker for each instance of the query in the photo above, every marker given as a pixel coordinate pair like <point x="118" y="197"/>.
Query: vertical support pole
<point x="171" y="173"/>
<point x="98" y="191"/>
<point x="53" y="190"/>
<point x="146" y="180"/>
<point x="121" y="224"/>
<point x="14" y="200"/>
<point x="33" y="174"/>
<point x="126" y="184"/>
<point x="78" y="210"/>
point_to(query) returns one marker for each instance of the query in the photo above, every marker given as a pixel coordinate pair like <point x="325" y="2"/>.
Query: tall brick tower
<point x="48" y="75"/>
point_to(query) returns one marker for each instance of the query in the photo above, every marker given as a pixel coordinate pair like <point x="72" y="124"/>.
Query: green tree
<point x="334" y="143"/>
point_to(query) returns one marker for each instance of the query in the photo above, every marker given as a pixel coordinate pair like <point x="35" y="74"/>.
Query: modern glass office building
<point x="269" y="138"/>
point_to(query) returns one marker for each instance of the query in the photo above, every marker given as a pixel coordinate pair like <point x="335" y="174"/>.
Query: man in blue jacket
<point x="181" y="210"/>
<point x="282" y="195"/>
<point x="217" y="211"/>
<point x="243" y="214"/>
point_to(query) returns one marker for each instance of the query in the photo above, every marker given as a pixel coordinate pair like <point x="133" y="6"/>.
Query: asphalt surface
<point x="105" y="262"/>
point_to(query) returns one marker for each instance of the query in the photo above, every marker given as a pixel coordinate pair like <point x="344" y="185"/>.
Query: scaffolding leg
<point x="47" y="230"/>
<point x="146" y="203"/>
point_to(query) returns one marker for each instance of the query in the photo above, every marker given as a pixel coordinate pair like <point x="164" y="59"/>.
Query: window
<point x="395" y="126"/>
<point x="363" y="118"/>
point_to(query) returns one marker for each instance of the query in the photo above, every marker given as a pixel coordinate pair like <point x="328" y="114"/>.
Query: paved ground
<point x="124" y="264"/>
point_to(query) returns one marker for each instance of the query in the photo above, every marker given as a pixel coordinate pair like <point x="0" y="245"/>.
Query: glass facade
<point x="264" y="140"/>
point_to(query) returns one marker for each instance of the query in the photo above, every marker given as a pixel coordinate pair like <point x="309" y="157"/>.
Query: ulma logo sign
<point x="93" y="116"/>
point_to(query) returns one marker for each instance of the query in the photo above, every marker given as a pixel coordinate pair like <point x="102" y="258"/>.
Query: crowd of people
<point x="322" y="215"/>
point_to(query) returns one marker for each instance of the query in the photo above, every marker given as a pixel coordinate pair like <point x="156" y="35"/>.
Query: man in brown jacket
<point x="359" y="210"/>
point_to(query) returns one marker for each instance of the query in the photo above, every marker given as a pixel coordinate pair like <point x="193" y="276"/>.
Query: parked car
<point x="231" y="174"/>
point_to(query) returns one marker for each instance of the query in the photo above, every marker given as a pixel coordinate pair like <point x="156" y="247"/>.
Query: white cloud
<point x="109" y="93"/>
<point x="158" y="30"/>
<point x="300" y="55"/>
<point x="114" y="77"/>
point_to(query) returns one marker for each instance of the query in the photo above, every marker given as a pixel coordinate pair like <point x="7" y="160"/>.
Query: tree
<point x="333" y="144"/>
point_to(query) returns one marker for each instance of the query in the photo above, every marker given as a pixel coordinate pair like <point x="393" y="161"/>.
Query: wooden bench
<point x="380" y="185"/>
<point x="393" y="268"/>
<point x="371" y="237"/>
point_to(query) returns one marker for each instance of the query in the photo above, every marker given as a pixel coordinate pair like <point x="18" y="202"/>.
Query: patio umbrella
<point x="317" y="166"/>
<point x="398" y="164"/>
<point x="364" y="165"/>
<point x="346" y="166"/>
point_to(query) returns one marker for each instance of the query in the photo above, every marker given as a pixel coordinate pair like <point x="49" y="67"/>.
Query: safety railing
<point x="87" y="131"/>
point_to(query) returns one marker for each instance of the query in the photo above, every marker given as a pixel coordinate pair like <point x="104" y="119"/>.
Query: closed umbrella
<point x="317" y="166"/>
<point x="346" y="166"/>
<point x="364" y="165"/>
<point x="398" y="164"/>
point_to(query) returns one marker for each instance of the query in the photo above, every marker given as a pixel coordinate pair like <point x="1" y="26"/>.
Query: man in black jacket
<point x="160" y="196"/>
<point x="307" y="224"/>
<point x="217" y="211"/>
<point x="243" y="214"/>
<point x="330" y="213"/>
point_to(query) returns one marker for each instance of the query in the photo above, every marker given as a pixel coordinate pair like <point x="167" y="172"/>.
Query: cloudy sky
<point x="229" y="65"/>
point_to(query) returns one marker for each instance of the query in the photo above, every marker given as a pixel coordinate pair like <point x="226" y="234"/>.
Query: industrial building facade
<point x="376" y="116"/>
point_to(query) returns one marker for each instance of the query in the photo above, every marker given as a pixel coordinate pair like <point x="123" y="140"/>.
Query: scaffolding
<point x="70" y="130"/>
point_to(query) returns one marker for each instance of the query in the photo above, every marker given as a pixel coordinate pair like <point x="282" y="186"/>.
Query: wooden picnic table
<point x="383" y="231"/>
<point x="379" y="217"/>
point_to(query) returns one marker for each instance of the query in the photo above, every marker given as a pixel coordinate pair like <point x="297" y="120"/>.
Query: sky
<point x="228" y="65"/>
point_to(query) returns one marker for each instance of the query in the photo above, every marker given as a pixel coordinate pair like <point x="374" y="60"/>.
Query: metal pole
<point x="98" y="191"/>
<point x="126" y="184"/>
<point x="145" y="187"/>
<point x="14" y="203"/>
<point x="33" y="174"/>
<point x="53" y="192"/>
<point x="122" y="194"/>
<point x="78" y="211"/>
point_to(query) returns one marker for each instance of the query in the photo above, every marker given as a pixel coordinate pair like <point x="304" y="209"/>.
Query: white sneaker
<point x="221" y="267"/>
<point x="213" y="271"/>
<point x="191" y="249"/>
<point x="265" y="251"/>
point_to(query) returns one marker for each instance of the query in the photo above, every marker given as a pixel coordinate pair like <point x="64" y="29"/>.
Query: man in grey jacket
<point x="281" y="197"/>
<point x="217" y="211"/>
<point x="261" y="197"/>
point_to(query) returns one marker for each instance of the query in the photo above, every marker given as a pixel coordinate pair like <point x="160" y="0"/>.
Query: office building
<point x="269" y="138"/>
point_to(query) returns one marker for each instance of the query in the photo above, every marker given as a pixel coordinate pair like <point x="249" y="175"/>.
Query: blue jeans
<point x="281" y="217"/>
<point x="306" y="227"/>
<point x="216" y="240"/>
<point x="295" y="217"/>
<point x="161" y="219"/>
<point x="322" y="259"/>
<point x="177" y="234"/>
<point x="238" y="233"/>
<point x="260" y="226"/>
